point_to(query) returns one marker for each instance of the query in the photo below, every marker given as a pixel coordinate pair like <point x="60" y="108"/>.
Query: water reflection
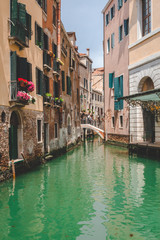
<point x="94" y="192"/>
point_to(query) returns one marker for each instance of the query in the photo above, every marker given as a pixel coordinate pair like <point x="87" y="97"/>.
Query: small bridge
<point x="99" y="131"/>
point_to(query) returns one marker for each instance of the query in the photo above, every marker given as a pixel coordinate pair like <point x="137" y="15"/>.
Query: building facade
<point x="70" y="88"/>
<point x="97" y="107"/>
<point x="144" y="67"/>
<point x="36" y="110"/>
<point x="21" y="105"/>
<point x="85" y="81"/>
<point x="115" y="43"/>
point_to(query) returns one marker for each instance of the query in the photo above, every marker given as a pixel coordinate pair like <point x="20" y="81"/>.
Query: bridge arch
<point x="99" y="131"/>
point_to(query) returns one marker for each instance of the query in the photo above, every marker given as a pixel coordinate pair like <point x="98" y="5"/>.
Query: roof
<point x="98" y="71"/>
<point x="72" y="33"/>
<point x="106" y="6"/>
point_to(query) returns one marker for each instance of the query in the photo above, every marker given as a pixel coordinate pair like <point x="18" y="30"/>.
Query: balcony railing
<point x="19" y="34"/>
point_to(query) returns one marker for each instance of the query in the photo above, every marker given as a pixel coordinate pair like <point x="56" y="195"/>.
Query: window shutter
<point x="56" y="90"/>
<point x="29" y="71"/>
<point x="111" y="76"/>
<point x="14" y="17"/>
<point x="113" y="10"/>
<point x="63" y="81"/>
<point x="22" y="21"/>
<point x="70" y="87"/>
<point x="42" y="39"/>
<point x="29" y="28"/>
<point x="41" y="83"/>
<point x="37" y="82"/>
<point x="13" y="70"/>
<point x="116" y="93"/>
<point x="46" y="84"/>
<point x="121" y="92"/>
<point x="35" y="33"/>
<point x="22" y="68"/>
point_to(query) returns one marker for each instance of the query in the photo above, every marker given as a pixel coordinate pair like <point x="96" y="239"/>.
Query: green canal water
<point x="95" y="192"/>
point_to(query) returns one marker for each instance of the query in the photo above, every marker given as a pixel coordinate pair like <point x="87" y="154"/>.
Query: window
<point x="54" y="49"/>
<point x="112" y="40"/>
<point x="45" y="37"/>
<point x="120" y="4"/>
<point x="108" y="45"/>
<point x="112" y="12"/>
<point x="44" y="5"/>
<point x="84" y="82"/>
<point x="121" y="121"/>
<point x="39" y="82"/>
<point x="146" y="16"/>
<point x="56" y="89"/>
<point x="120" y="33"/>
<point x="54" y="16"/>
<point x="107" y="19"/>
<point x="21" y="22"/>
<point x="113" y="123"/>
<point x="39" y="130"/>
<point x="92" y="96"/>
<point x="63" y="81"/>
<point x="69" y="86"/>
<point x="56" y="130"/>
<point x="118" y="92"/>
<point x="125" y="0"/>
<point x="20" y="68"/>
<point x="46" y="84"/>
<point x="126" y="27"/>
<point x="38" y="36"/>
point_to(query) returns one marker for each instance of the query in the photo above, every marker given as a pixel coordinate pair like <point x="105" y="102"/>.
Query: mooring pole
<point x="13" y="170"/>
<point x="84" y="133"/>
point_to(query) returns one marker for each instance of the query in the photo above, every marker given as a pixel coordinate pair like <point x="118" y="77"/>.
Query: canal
<point x="95" y="192"/>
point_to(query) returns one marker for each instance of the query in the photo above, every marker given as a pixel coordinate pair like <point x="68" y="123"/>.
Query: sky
<point x="85" y="18"/>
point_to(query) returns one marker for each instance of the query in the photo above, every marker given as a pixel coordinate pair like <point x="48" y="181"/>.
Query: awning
<point x="149" y="100"/>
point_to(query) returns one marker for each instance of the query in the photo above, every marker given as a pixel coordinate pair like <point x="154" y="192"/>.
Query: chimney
<point x="88" y="50"/>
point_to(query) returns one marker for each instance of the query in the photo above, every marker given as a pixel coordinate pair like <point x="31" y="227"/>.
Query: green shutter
<point x="42" y="39"/>
<point x="111" y="77"/>
<point x="41" y="83"/>
<point x="116" y="93"/>
<point x="37" y="82"/>
<point x="13" y="66"/>
<point x="36" y="33"/>
<point x="121" y="92"/>
<point x="14" y="17"/>
<point x="22" y="22"/>
<point x="13" y="70"/>
<point x="29" y="71"/>
<point x="22" y="68"/>
<point x="63" y="81"/>
<point x="29" y="28"/>
<point x="70" y="87"/>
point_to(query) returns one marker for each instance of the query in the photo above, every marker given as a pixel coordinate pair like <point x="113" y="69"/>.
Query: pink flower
<point x="30" y="87"/>
<point x="23" y="96"/>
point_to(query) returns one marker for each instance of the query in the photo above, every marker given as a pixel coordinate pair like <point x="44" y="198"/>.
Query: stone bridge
<point x="99" y="131"/>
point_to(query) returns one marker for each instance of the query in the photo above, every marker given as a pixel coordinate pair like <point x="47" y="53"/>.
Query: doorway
<point x="13" y="136"/>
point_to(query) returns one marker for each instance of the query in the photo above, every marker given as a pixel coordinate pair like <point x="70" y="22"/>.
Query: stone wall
<point x="136" y="77"/>
<point x="118" y="138"/>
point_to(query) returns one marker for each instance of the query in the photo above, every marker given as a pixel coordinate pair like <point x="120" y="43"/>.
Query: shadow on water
<point x="93" y="192"/>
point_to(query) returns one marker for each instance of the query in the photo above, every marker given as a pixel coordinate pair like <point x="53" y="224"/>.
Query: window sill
<point x="144" y="38"/>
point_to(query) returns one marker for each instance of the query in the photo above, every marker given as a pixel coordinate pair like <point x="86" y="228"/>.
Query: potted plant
<point x="23" y="97"/>
<point x="48" y="95"/>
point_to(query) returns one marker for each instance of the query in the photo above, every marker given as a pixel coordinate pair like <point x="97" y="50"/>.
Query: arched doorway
<point x="15" y="136"/>
<point x="148" y="117"/>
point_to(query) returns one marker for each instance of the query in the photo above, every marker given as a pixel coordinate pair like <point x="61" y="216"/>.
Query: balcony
<point x="20" y="94"/>
<point x="18" y="34"/>
<point x="46" y="61"/>
<point x="56" y="68"/>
